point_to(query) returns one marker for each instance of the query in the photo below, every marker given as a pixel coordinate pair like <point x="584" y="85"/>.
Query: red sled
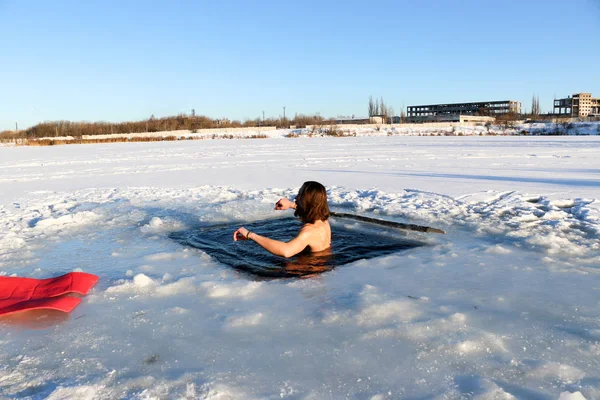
<point x="22" y="294"/>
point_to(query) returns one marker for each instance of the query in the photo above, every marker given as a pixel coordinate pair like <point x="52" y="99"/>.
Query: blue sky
<point x="125" y="60"/>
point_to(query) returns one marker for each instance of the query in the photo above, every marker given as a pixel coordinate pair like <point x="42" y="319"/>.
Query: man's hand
<point x="284" y="204"/>
<point x="240" y="234"/>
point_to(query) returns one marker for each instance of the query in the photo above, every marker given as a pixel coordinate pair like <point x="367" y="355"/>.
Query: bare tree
<point x="376" y="107"/>
<point x="383" y="109"/>
<point x="371" y="106"/>
<point x="535" y="105"/>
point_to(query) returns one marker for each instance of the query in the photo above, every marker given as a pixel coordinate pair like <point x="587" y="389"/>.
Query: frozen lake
<point x="505" y="305"/>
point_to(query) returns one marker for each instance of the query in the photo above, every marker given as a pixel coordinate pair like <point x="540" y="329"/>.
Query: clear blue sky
<point x="125" y="60"/>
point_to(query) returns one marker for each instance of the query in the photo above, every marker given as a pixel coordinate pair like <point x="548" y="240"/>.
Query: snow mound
<point x="142" y="284"/>
<point x="84" y="392"/>
<point x="571" y="396"/>
<point x="162" y="225"/>
<point x="566" y="228"/>
<point x="245" y="321"/>
<point x="394" y="311"/>
<point x="557" y="371"/>
<point x="67" y="221"/>
<point x="231" y="290"/>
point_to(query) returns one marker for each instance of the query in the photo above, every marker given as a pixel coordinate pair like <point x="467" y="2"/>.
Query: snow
<point x="571" y="396"/>
<point x="504" y="306"/>
<point x="429" y="129"/>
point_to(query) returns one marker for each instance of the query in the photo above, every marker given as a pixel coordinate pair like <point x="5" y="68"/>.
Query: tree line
<point x="174" y="123"/>
<point x="379" y="108"/>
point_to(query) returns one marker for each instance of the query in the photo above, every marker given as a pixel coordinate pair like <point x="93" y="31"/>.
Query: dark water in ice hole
<point x="348" y="245"/>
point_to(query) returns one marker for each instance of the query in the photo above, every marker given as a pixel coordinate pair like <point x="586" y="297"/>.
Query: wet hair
<point x="311" y="203"/>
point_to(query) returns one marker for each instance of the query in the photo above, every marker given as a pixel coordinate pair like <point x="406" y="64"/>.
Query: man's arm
<point x="284" y="204"/>
<point x="283" y="249"/>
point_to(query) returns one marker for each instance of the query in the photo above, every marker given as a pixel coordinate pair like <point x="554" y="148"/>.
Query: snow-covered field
<point x="462" y="129"/>
<point x="435" y="129"/>
<point x="505" y="305"/>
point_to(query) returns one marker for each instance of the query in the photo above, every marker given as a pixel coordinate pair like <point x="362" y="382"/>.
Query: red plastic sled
<point x="21" y="294"/>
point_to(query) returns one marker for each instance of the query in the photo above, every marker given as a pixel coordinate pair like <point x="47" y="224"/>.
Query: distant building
<point x="375" y="119"/>
<point x="579" y="105"/>
<point x="450" y="118"/>
<point x="453" y="112"/>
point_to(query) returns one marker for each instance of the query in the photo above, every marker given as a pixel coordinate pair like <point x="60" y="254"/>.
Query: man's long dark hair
<point x="311" y="203"/>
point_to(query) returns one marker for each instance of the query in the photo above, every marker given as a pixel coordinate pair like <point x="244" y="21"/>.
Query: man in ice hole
<point x="314" y="237"/>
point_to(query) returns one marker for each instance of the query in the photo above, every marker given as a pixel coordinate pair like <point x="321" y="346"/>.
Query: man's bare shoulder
<point x="307" y="228"/>
<point x="317" y="226"/>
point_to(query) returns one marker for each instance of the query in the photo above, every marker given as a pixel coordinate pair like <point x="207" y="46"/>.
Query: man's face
<point x="299" y="195"/>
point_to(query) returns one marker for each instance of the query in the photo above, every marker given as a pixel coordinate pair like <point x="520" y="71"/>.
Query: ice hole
<point x="350" y="242"/>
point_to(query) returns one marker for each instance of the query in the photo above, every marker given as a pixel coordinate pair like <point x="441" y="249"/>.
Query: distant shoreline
<point x="314" y="131"/>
